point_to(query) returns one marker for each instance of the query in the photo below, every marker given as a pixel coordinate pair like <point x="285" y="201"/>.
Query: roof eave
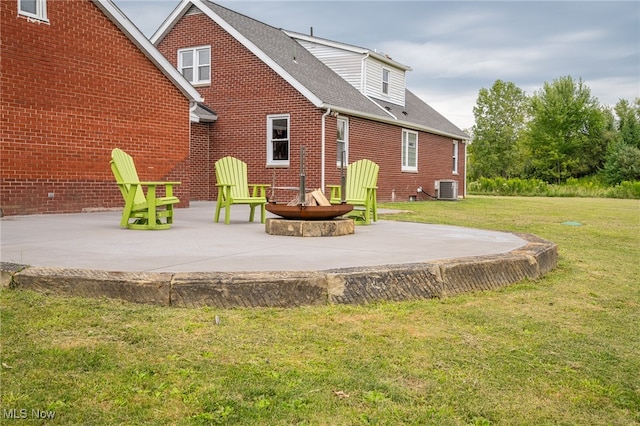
<point x="148" y="49"/>
<point x="170" y="21"/>
<point x="348" y="48"/>
<point x="394" y="121"/>
<point x="182" y="9"/>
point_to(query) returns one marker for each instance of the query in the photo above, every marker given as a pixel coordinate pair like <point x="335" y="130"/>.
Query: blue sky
<point x="455" y="48"/>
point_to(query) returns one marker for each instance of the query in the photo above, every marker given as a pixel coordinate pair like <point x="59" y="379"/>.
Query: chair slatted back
<point x="124" y="170"/>
<point x="231" y="171"/>
<point x="360" y="175"/>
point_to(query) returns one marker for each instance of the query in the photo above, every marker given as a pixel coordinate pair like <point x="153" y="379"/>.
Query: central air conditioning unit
<point x="447" y="190"/>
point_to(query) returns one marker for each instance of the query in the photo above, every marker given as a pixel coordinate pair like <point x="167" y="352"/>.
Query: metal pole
<point x="302" y="177"/>
<point x="343" y="180"/>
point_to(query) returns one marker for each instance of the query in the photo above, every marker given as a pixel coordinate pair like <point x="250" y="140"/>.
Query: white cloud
<point x="456" y="48"/>
<point x="610" y="90"/>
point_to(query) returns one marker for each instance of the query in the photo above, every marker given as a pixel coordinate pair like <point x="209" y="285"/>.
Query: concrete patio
<point x="198" y="262"/>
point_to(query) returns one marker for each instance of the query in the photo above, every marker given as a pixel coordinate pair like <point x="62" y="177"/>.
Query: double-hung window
<point x="409" y="151"/>
<point x="385" y="81"/>
<point x="195" y="64"/>
<point x="278" y="140"/>
<point x="455" y="157"/>
<point x="342" y="141"/>
<point x="36" y="9"/>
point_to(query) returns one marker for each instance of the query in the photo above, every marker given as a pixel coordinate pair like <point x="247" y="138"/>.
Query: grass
<point x="560" y="350"/>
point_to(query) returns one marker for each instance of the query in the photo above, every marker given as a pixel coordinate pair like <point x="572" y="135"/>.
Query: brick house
<point x="275" y="91"/>
<point x="78" y="79"/>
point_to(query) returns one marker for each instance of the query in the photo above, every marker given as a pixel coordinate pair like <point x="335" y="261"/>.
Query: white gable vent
<point x="447" y="190"/>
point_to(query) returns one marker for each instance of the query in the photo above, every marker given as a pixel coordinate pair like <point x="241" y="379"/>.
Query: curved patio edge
<point x="434" y="279"/>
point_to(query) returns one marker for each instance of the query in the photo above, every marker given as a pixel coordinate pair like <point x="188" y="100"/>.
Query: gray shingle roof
<point x="419" y="112"/>
<point x="324" y="83"/>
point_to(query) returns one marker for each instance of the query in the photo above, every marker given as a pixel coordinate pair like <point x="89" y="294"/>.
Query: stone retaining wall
<point x="442" y="278"/>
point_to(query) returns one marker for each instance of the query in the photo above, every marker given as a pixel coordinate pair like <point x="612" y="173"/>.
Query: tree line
<point x="559" y="132"/>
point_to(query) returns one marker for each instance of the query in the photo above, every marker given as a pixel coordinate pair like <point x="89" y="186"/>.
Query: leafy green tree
<point x="629" y="121"/>
<point x="500" y="116"/>
<point x="565" y="135"/>
<point x="623" y="163"/>
<point x="623" y="156"/>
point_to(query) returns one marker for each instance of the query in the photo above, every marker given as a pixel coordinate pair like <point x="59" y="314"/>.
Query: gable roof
<point x="148" y="49"/>
<point x="349" y="48"/>
<point x="309" y="75"/>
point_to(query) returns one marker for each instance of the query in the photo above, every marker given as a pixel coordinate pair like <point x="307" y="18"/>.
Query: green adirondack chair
<point x="362" y="178"/>
<point x="141" y="211"/>
<point x="231" y="177"/>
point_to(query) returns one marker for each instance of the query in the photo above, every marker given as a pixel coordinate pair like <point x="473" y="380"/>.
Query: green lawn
<point x="562" y="350"/>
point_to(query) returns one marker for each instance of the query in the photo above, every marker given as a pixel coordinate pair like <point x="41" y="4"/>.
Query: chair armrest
<point x="259" y="187"/>
<point x="151" y="191"/>
<point x="150" y="183"/>
<point x="336" y="193"/>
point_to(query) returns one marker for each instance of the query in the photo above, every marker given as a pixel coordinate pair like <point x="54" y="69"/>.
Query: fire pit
<point x="309" y="214"/>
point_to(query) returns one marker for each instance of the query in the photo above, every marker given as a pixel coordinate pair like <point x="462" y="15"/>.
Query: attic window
<point x="385" y="81"/>
<point x="195" y="64"/>
<point x="36" y="9"/>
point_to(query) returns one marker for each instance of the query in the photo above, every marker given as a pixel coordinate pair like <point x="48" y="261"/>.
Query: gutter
<point x="389" y="120"/>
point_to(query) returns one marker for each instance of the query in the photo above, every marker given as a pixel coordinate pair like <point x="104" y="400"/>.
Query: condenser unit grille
<point x="447" y="190"/>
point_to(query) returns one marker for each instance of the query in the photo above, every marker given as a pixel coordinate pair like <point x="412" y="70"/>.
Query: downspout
<point x="466" y="143"/>
<point x="363" y="74"/>
<point x="322" y="149"/>
<point x="192" y="116"/>
<point x="192" y="107"/>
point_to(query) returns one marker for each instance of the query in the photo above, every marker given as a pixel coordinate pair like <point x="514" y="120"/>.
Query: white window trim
<point x="196" y="65"/>
<point x="387" y="82"/>
<point x="41" y="11"/>
<point x="456" y="152"/>
<point x="346" y="143"/>
<point x="270" y="160"/>
<point x="406" y="167"/>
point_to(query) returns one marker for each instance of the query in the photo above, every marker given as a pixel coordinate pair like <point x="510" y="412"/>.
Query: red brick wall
<point x="200" y="163"/>
<point x="72" y="90"/>
<point x="244" y="91"/>
<point x="382" y="144"/>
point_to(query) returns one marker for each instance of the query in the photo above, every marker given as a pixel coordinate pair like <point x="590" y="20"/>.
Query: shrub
<point x="625" y="189"/>
<point x="590" y="186"/>
<point x="502" y="186"/>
